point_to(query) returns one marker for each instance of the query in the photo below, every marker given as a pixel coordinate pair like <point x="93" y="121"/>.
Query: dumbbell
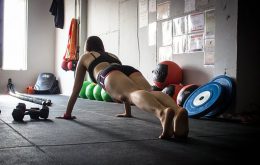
<point x="34" y="113"/>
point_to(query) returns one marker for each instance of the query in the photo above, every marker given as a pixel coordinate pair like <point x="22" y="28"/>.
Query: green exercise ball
<point x="89" y="91"/>
<point x="105" y="96"/>
<point x="83" y="89"/>
<point x="97" y="93"/>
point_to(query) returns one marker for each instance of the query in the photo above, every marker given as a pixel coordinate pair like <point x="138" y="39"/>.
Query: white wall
<point x="103" y="23"/>
<point x="66" y="79"/>
<point x="131" y="42"/>
<point x="40" y="55"/>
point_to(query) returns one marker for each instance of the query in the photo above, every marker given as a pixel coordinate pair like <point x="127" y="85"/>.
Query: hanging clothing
<point x="57" y="10"/>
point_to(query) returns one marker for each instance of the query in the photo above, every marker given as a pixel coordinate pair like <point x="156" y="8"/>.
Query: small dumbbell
<point x="34" y="113"/>
<point x="19" y="111"/>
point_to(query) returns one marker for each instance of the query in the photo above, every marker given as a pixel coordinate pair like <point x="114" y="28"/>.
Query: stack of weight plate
<point x="211" y="99"/>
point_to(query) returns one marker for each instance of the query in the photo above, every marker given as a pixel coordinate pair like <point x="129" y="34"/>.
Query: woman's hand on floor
<point x="66" y="117"/>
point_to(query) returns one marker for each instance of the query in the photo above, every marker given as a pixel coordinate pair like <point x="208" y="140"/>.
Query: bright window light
<point x="15" y="35"/>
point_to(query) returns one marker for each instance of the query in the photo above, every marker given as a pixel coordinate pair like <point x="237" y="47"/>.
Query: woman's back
<point x="99" y="61"/>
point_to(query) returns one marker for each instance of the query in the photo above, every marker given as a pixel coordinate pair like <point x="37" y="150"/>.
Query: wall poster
<point x="179" y="26"/>
<point x="195" y="42"/>
<point x="152" y="6"/>
<point x="196" y="22"/>
<point x="210" y="24"/>
<point x="167" y="33"/>
<point x="163" y="10"/>
<point x="179" y="44"/>
<point x="209" y="54"/>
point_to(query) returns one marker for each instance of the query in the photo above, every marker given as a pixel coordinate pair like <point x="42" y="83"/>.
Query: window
<point x="15" y="35"/>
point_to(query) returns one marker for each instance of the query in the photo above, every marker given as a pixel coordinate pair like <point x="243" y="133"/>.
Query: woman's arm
<point x="79" y="78"/>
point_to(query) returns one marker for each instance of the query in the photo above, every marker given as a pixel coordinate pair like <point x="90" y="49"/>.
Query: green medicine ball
<point x="97" y="93"/>
<point x="89" y="91"/>
<point x="105" y="96"/>
<point x="83" y="89"/>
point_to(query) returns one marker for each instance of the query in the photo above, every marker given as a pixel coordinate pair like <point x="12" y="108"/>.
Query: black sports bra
<point x="104" y="57"/>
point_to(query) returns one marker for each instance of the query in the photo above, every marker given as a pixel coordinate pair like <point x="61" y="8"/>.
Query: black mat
<point x="98" y="137"/>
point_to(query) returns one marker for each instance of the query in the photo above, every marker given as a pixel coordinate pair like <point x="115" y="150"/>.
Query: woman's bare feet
<point x="167" y="123"/>
<point x="181" y="124"/>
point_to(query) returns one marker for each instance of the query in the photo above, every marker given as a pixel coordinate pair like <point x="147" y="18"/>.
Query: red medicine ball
<point x="72" y="65"/>
<point x="173" y="90"/>
<point x="64" y="65"/>
<point x="167" y="72"/>
<point x="185" y="93"/>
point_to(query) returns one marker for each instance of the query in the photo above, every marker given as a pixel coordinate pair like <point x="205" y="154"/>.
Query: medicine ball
<point x="82" y="92"/>
<point x="105" y="96"/>
<point x="97" y="93"/>
<point x="89" y="91"/>
<point x="167" y="72"/>
<point x="172" y="90"/>
<point x="72" y="65"/>
<point x="184" y="93"/>
<point x="64" y="65"/>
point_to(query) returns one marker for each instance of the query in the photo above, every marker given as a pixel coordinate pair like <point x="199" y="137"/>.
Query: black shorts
<point x="126" y="69"/>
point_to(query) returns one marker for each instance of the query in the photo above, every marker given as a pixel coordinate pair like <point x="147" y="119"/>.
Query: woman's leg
<point x="140" y="81"/>
<point x="147" y="102"/>
<point x="120" y="86"/>
<point x="181" y="124"/>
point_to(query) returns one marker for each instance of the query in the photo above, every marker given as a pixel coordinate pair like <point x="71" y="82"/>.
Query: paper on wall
<point x="179" y="26"/>
<point x="196" y="22"/>
<point x="167" y="33"/>
<point x="163" y="10"/>
<point x="179" y="45"/>
<point x="209" y="58"/>
<point x="195" y="42"/>
<point x="152" y="6"/>
<point x="210" y="24"/>
<point x="209" y="54"/>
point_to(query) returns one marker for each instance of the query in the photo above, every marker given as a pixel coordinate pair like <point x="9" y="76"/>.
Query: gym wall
<point x="66" y="79"/>
<point x="116" y="22"/>
<point x="121" y="34"/>
<point x="120" y="31"/>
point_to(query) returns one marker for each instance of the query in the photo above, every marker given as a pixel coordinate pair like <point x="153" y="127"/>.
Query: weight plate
<point x="204" y="99"/>
<point x="228" y="89"/>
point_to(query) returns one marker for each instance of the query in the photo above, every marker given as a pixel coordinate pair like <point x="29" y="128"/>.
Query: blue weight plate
<point x="228" y="86"/>
<point x="203" y="99"/>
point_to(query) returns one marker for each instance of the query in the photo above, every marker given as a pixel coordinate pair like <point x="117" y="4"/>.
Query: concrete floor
<point x="98" y="137"/>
